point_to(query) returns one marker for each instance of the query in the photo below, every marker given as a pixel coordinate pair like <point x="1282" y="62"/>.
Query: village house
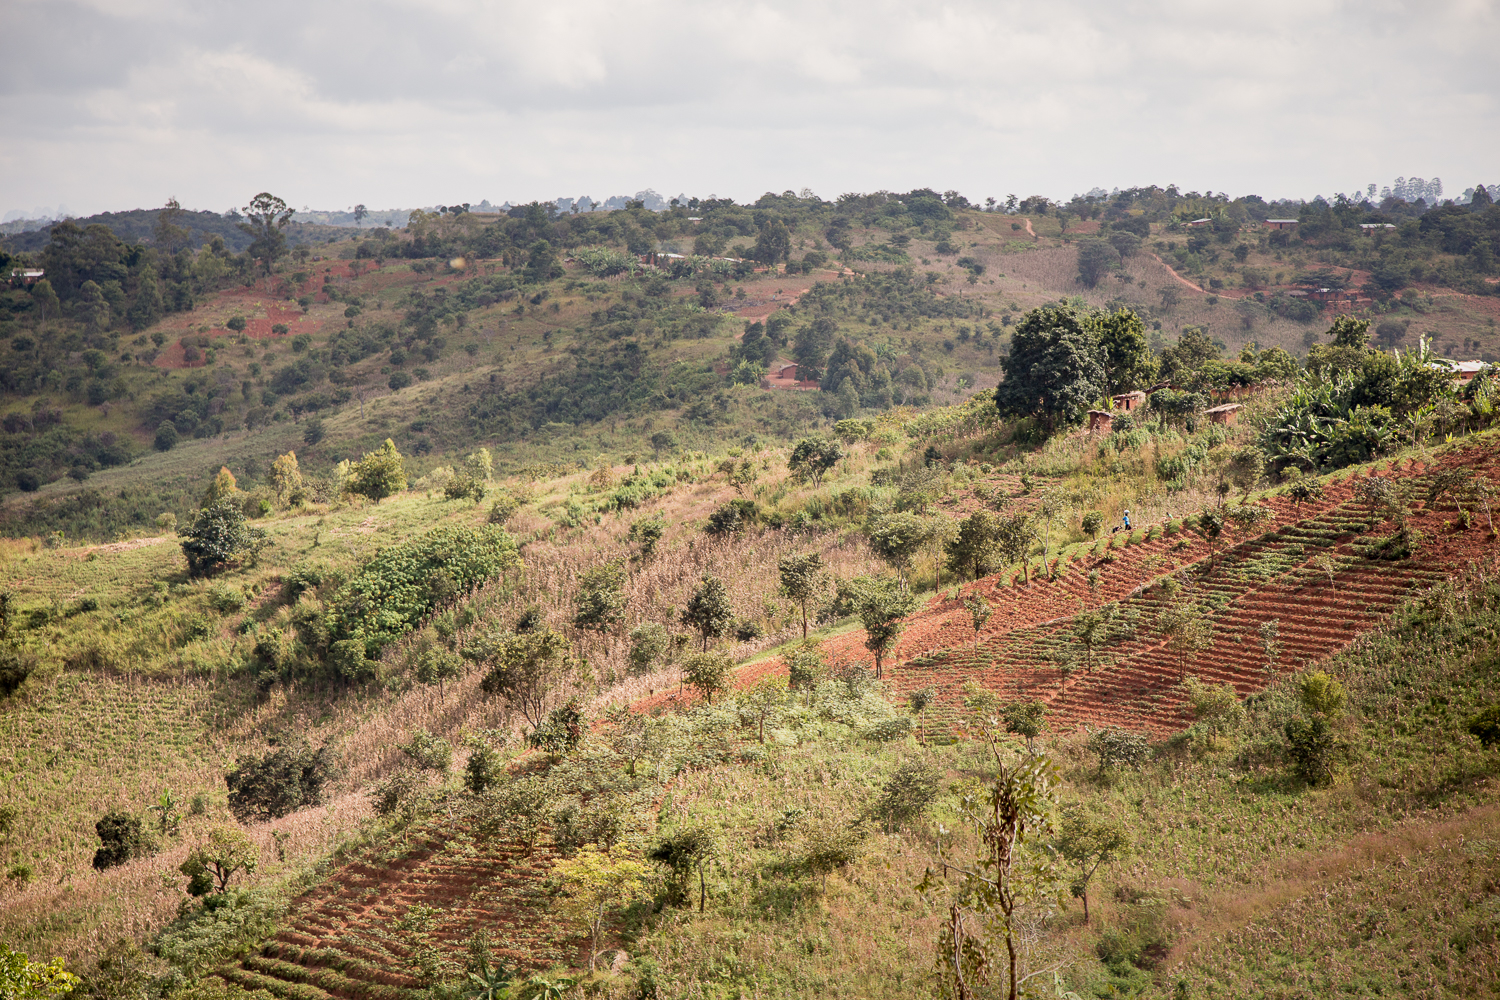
<point x="1280" y="223"/>
<point x="1128" y="401"/>
<point x="1226" y="414"/>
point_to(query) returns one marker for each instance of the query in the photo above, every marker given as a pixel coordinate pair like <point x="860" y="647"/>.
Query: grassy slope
<point x="61" y="749"/>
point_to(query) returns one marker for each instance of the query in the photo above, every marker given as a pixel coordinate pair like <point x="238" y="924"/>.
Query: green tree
<point x="987" y="896"/>
<point x="226" y="853"/>
<point x="881" y="608"/>
<point x="1347" y="331"/>
<point x="596" y="884"/>
<point x="801" y="579"/>
<point x="650" y="646"/>
<point x="147" y="306"/>
<point x="276" y="784"/>
<point x="285" y="478"/>
<point x="1095" y="259"/>
<point x="379" y="474"/>
<point x="166" y="436"/>
<point x="709" y="611"/>
<point x="708" y="672"/>
<point x="22" y="979"/>
<point x="973" y="550"/>
<point x="542" y="264"/>
<point x="896" y="538"/>
<point x="907" y="794"/>
<point x="685" y="854"/>
<point x="1187" y="631"/>
<point x="1013" y="538"/>
<point x="599" y="602"/>
<point x="774" y="243"/>
<point x="1088" y="843"/>
<point x="1053" y="371"/>
<point x="1024" y="719"/>
<point x="219" y="535"/>
<point x="762" y="701"/>
<point x="120" y="839"/>
<point x="265" y="223"/>
<point x="810" y="350"/>
<point x="812" y="457"/>
<point x="525" y="668"/>
<point x="1128" y="361"/>
<point x="980" y="611"/>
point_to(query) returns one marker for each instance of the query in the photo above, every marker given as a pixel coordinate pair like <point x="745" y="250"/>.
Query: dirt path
<point x="1196" y="288"/>
<point x="1032" y="232"/>
<point x="134" y="543"/>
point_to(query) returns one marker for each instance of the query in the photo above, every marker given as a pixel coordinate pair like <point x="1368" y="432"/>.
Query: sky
<point x="118" y="104"/>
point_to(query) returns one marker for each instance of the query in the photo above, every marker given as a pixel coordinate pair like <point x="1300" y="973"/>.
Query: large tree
<point x="265" y="221"/>
<point x="709" y="610"/>
<point x="801" y="577"/>
<point x="1128" y="362"/>
<point x="1053" y="371"/>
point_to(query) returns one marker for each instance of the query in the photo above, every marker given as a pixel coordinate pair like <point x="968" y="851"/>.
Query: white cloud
<point x="114" y="104"/>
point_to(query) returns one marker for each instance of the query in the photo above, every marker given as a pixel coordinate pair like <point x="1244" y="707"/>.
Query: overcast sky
<point x="115" y="104"/>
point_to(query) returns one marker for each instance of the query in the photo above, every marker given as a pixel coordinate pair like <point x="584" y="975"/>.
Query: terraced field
<point x="378" y="928"/>
<point x="1313" y="574"/>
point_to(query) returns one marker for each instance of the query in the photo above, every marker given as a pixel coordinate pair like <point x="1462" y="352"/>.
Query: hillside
<point x="556" y="621"/>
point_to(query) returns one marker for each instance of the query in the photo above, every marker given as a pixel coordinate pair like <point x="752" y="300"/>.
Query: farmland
<point x="781" y="802"/>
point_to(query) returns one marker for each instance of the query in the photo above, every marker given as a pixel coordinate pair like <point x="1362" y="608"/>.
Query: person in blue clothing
<point x="1127" y="520"/>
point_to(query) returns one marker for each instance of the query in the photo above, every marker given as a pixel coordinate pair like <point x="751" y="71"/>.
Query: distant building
<point x="1226" y="414"/>
<point x="1463" y="371"/>
<point x="1100" y="420"/>
<point x="785" y="371"/>
<point x="1280" y="223"/>
<point x="1368" y="228"/>
<point x="1128" y="401"/>
<point x="28" y="276"/>
<point x="1201" y="222"/>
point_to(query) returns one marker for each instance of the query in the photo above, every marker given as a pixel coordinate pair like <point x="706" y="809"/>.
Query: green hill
<point x="490" y="648"/>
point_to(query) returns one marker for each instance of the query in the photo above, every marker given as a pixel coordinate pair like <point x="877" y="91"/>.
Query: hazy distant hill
<point x="136" y="225"/>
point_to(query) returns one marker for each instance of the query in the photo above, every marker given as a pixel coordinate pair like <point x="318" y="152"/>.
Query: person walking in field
<point x="1127" y="520"/>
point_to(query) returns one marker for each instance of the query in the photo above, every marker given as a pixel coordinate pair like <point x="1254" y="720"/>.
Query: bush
<point x="1485" y="726"/>
<point x="166" y="436"/>
<point x="907" y="794"/>
<point x="404" y="583"/>
<point x="280" y="782"/>
<point x="562" y="730"/>
<point x="379" y="474"/>
<point x="120" y="834"/>
<point x="226" y="599"/>
<point x="1311" y="749"/>
<point x="504" y="508"/>
<point x="1119" y="747"/>
<point x="218" y="536"/>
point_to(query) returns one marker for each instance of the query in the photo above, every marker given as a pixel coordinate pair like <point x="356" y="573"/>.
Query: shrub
<point x="1119" y="747"/>
<point x="1311" y="749"/>
<point x="218" y="536"/>
<point x="562" y="730"/>
<point x="907" y="794"/>
<point x="166" y="436"/>
<point x="1093" y="522"/>
<point x="465" y="488"/>
<point x="1485" y="726"/>
<point x="484" y="768"/>
<point x="888" y="730"/>
<point x="379" y="474"/>
<point x="121" y="840"/>
<point x="404" y="583"/>
<point x="282" y="781"/>
<point x="504" y="508"/>
<point x="226" y="599"/>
